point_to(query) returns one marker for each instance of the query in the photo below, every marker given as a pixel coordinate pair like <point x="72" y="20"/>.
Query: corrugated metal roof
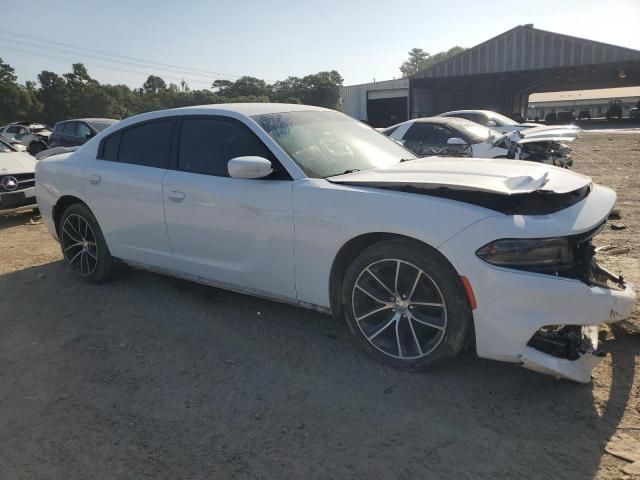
<point x="528" y="48"/>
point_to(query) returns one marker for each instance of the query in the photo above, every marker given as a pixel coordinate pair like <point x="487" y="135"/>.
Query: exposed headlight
<point x="525" y="253"/>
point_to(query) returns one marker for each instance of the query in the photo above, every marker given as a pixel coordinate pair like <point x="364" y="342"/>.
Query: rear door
<point x="234" y="232"/>
<point x="124" y="191"/>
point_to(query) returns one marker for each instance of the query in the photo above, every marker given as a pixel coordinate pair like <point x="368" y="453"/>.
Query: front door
<point x="234" y="232"/>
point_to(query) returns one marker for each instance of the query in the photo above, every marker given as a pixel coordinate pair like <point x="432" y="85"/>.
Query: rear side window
<point x="148" y="144"/>
<point x="207" y="144"/>
<point x="110" y="146"/>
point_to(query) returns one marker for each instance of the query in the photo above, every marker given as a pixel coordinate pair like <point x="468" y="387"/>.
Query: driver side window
<point x="427" y="139"/>
<point x="83" y="130"/>
<point x="207" y="144"/>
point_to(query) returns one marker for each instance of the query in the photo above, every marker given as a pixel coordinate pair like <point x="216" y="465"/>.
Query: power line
<point x="47" y="44"/>
<point x="109" y="67"/>
<point x="76" y="56"/>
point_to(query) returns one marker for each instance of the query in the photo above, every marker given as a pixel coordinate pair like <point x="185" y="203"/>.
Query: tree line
<point x="76" y="94"/>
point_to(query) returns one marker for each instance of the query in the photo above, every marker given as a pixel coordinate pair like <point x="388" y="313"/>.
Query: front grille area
<point x="10" y="201"/>
<point x="25" y="180"/>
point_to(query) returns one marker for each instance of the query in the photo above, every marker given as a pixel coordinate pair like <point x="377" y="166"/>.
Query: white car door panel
<point x="125" y="193"/>
<point x="232" y="231"/>
<point x="127" y="202"/>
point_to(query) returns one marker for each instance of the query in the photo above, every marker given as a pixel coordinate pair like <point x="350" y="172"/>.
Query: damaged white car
<point x="456" y="137"/>
<point x="421" y="257"/>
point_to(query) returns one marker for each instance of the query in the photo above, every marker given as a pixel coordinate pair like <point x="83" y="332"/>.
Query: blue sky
<point x="272" y="40"/>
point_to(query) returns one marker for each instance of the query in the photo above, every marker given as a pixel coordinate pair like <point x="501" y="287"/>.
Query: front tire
<point x="83" y="245"/>
<point x="406" y="305"/>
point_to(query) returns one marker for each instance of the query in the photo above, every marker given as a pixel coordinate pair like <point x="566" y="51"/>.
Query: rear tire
<point x="406" y="305"/>
<point x="83" y="245"/>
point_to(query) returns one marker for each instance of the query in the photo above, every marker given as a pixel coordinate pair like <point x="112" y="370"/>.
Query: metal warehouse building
<point x="499" y="75"/>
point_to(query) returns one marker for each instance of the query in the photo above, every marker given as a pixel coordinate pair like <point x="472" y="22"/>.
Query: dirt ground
<point x="153" y="377"/>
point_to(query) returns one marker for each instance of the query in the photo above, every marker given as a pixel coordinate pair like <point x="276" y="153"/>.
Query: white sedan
<point x="422" y="257"/>
<point x="457" y="137"/>
<point x="17" y="180"/>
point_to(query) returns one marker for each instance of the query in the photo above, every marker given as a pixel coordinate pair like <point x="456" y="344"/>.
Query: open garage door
<point x="387" y="107"/>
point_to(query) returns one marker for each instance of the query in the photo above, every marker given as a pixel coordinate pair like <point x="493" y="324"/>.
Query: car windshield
<point x="325" y="144"/>
<point x="102" y="124"/>
<point x="475" y="132"/>
<point x="501" y="120"/>
<point x="5" y="148"/>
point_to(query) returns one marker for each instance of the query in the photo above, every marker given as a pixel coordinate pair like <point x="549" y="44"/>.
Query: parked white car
<point x="456" y="137"/>
<point x="17" y="181"/>
<point x="305" y="205"/>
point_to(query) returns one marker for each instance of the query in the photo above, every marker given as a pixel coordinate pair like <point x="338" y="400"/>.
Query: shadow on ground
<point x="17" y="219"/>
<point x="149" y="376"/>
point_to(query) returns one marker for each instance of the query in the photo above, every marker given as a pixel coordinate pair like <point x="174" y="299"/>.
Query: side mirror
<point x="491" y="123"/>
<point x="249" y="167"/>
<point x="456" y="141"/>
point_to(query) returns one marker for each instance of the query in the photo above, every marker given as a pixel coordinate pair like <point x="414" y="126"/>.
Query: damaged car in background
<point x="422" y="257"/>
<point x="34" y="136"/>
<point x="456" y="137"/>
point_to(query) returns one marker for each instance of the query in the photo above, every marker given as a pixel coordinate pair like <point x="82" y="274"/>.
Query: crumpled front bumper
<point x="620" y="305"/>
<point x="504" y="330"/>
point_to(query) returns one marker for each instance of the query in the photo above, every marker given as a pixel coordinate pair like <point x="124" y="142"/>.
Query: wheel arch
<point x="351" y="249"/>
<point x="62" y="204"/>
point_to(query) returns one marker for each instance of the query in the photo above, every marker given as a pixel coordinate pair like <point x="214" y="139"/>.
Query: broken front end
<point x="552" y="153"/>
<point x="569" y="350"/>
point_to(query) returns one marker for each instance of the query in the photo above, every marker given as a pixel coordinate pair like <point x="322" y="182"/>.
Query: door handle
<point x="95" y="179"/>
<point x="176" y="196"/>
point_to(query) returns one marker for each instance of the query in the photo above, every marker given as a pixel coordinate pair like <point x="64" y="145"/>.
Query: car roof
<point x="89" y="120"/>
<point x="443" y="120"/>
<point x="236" y="110"/>
<point x="453" y="112"/>
<point x="255" y="108"/>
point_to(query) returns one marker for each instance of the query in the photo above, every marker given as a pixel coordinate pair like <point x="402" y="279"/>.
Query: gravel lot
<point x="153" y="377"/>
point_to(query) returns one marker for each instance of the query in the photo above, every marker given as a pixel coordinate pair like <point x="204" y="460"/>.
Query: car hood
<point x="559" y="130"/>
<point x="505" y="177"/>
<point x="543" y="134"/>
<point x="16" y="162"/>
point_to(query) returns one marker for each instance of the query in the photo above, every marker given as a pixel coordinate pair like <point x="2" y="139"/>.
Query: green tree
<point x="245" y="87"/>
<point x="53" y="96"/>
<point x="220" y="86"/>
<point x="153" y="85"/>
<point x="420" y="60"/>
<point x="321" y="89"/>
<point x="76" y="94"/>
